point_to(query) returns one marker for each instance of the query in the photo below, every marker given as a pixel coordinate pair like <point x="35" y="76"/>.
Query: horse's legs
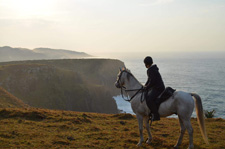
<point x="140" y="124"/>
<point x="182" y="131"/>
<point x="148" y="130"/>
<point x="187" y="124"/>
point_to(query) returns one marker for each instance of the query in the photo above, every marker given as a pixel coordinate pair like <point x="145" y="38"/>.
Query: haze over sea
<point x="202" y="73"/>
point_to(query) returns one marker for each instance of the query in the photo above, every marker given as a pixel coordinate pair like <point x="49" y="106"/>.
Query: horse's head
<point x="123" y="75"/>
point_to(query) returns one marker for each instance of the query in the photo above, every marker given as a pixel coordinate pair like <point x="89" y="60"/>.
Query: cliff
<point x="72" y="84"/>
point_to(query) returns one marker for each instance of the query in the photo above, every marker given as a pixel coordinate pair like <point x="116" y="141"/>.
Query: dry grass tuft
<point x="124" y="116"/>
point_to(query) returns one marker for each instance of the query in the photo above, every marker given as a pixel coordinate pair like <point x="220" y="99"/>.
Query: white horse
<point x="181" y="103"/>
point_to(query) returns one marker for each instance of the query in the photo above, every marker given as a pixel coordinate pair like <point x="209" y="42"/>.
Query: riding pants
<point x="151" y="97"/>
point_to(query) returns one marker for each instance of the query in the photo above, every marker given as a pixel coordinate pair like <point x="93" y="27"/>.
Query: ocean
<point x="203" y="75"/>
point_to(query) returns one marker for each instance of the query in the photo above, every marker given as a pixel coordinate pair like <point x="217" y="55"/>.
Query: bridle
<point x="122" y="87"/>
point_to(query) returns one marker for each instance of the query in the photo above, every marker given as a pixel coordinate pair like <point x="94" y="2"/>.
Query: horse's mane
<point x="131" y="75"/>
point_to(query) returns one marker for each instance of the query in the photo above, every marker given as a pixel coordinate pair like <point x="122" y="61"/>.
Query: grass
<point x="10" y="101"/>
<point x="41" y="128"/>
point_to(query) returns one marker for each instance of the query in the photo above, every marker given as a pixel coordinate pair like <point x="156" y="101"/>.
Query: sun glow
<point x="26" y="8"/>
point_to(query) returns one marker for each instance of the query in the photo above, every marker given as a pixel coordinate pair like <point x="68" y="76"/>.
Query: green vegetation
<point x="209" y="114"/>
<point x="41" y="128"/>
<point x="73" y="84"/>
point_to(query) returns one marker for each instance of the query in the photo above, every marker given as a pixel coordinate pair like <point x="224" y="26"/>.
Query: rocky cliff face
<point x="78" y="85"/>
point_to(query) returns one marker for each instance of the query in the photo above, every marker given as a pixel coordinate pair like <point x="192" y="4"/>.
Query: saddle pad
<point x="166" y="94"/>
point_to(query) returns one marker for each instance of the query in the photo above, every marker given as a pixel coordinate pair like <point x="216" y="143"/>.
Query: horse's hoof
<point x="191" y="147"/>
<point x="139" y="145"/>
<point x="175" y="147"/>
<point x="148" y="141"/>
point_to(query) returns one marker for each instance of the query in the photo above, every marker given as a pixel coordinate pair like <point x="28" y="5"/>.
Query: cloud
<point x="162" y="2"/>
<point x="30" y="23"/>
<point x="158" y="2"/>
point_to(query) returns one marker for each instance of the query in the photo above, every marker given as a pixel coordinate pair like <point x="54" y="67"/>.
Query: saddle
<point x="166" y="94"/>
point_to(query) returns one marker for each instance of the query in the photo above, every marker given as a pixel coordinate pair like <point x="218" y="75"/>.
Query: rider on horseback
<point x="154" y="85"/>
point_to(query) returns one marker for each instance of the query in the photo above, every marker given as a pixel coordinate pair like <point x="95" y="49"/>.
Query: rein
<point x="138" y="90"/>
<point x="131" y="90"/>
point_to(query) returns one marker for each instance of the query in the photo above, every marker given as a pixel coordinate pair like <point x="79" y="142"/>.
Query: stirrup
<point x="150" y="118"/>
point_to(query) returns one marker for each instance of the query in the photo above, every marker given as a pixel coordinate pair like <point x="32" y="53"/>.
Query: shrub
<point x="210" y="114"/>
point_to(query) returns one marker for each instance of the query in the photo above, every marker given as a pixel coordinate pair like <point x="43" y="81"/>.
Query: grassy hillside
<point x="7" y="100"/>
<point x="59" y="53"/>
<point x="39" y="128"/>
<point x="16" y="54"/>
<point x="78" y="84"/>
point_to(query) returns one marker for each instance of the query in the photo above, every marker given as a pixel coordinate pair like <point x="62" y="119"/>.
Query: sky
<point x="95" y="26"/>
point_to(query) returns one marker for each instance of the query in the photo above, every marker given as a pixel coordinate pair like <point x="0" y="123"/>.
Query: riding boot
<point x="154" y="110"/>
<point x="151" y="103"/>
<point x="155" y="117"/>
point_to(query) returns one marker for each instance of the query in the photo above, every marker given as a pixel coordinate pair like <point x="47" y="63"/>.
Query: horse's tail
<point x="200" y="116"/>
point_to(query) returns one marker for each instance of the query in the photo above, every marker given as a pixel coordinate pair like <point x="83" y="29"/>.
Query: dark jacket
<point x="154" y="79"/>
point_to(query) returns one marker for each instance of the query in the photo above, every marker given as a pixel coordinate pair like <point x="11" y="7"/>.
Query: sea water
<point x="202" y="75"/>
